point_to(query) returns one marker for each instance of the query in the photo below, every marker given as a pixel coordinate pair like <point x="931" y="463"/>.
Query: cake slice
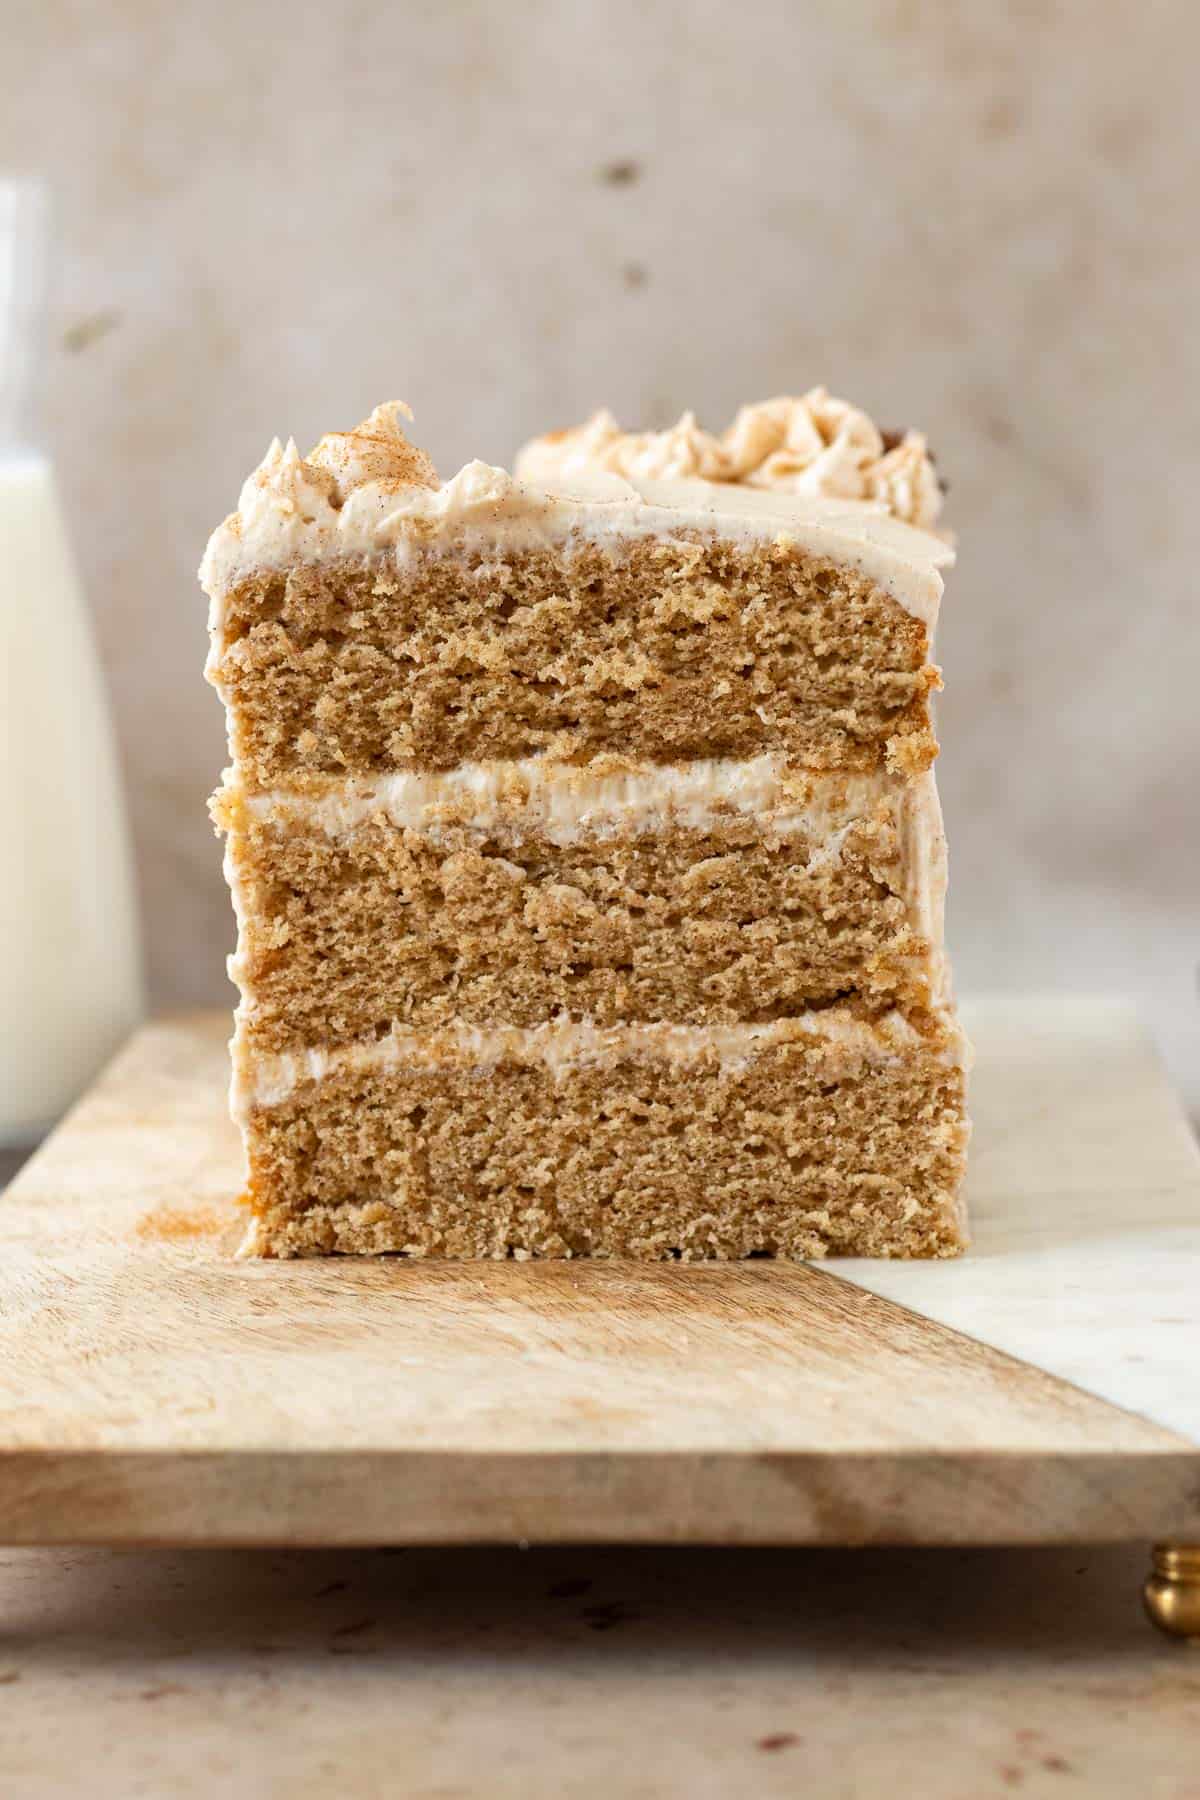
<point x="585" y="845"/>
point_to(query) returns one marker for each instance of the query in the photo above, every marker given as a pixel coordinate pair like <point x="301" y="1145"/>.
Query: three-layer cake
<point x="585" y="846"/>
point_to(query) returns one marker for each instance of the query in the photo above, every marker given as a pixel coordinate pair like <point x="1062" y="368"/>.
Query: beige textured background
<point x="976" y="218"/>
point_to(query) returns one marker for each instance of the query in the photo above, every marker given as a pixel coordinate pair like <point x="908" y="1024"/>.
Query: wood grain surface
<point x="154" y="1389"/>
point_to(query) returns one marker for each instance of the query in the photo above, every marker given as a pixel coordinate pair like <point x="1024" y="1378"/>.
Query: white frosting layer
<point x="562" y="1045"/>
<point x="369" y="492"/>
<point x="924" y="865"/>
<point x="533" y="797"/>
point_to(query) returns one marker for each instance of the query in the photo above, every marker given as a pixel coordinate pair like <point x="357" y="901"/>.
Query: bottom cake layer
<point x="828" y="1135"/>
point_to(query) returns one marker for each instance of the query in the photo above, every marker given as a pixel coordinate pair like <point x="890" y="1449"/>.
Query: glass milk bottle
<point x="70" y="975"/>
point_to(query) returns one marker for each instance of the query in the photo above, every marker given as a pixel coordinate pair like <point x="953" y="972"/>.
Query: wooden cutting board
<point x="1046" y="1388"/>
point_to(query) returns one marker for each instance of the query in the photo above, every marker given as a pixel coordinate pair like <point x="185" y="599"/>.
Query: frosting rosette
<point x="813" y="445"/>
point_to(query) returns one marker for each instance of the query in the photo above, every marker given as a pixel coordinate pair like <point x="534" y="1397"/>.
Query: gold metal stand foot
<point x="1172" y="1590"/>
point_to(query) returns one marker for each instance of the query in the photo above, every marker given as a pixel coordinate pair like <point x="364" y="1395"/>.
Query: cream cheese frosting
<point x="370" y="492"/>
<point x="812" y="445"/>
<point x="563" y="1044"/>
<point x="534" y="797"/>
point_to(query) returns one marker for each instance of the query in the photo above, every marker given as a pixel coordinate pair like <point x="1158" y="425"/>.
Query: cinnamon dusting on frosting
<point x="813" y="445"/>
<point x="376" y="450"/>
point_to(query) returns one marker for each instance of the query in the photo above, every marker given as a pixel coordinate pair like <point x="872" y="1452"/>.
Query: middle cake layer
<point x="510" y="893"/>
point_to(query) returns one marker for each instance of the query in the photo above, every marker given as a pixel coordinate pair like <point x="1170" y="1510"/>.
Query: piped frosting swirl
<point x="375" y="451"/>
<point x="813" y="445"/>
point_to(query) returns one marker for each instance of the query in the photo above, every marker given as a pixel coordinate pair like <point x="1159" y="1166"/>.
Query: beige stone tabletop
<point x="446" y="1673"/>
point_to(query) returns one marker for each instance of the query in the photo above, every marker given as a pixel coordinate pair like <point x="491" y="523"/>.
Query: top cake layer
<point x="370" y="490"/>
<point x="365" y="618"/>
